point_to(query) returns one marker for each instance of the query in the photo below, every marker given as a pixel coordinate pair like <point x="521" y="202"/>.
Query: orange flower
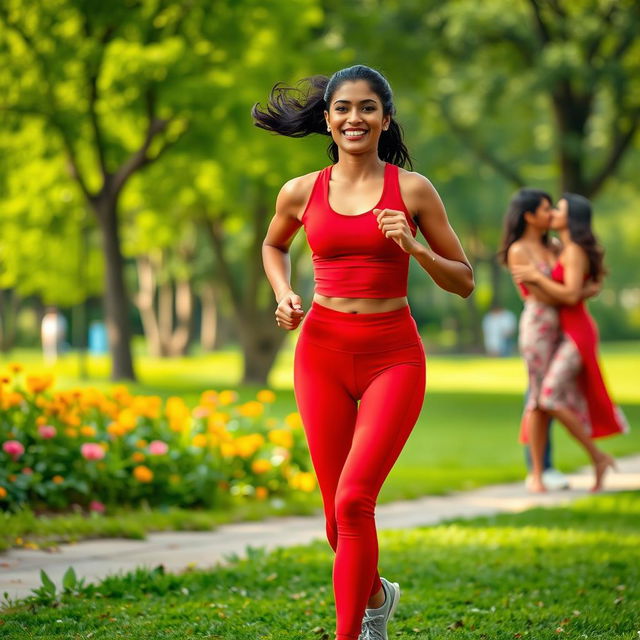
<point x="57" y="479"/>
<point x="88" y="430"/>
<point x="262" y="493"/>
<point x="246" y="446"/>
<point x="228" y="449"/>
<point x="261" y="466"/>
<point x="16" y="367"/>
<point x="115" y="430"/>
<point x="141" y="444"/>
<point x="142" y="473"/>
<point x="71" y="432"/>
<point x="127" y="420"/>
<point x="251" y="409"/>
<point x="38" y="384"/>
<point x="3" y="493"/>
<point x="137" y="456"/>
<point x="266" y="395"/>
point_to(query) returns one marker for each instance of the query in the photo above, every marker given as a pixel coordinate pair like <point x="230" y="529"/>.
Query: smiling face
<point x="356" y="118"/>
<point x="541" y="218"/>
<point x="560" y="218"/>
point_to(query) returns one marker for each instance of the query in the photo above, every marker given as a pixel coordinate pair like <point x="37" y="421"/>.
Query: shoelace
<point x="369" y="629"/>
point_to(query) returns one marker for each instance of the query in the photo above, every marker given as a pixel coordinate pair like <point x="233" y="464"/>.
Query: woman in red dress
<point x="573" y="371"/>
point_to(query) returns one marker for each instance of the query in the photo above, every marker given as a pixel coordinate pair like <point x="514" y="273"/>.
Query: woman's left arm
<point x="569" y="292"/>
<point x="444" y="260"/>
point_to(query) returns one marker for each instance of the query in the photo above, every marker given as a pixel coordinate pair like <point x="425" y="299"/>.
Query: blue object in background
<point x="98" y="343"/>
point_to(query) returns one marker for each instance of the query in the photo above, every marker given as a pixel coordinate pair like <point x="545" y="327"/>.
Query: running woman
<point x="359" y="366"/>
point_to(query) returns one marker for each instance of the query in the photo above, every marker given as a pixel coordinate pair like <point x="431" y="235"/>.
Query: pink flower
<point x="13" y="448"/>
<point x="158" y="448"/>
<point x="92" y="451"/>
<point x="94" y="505"/>
<point x="47" y="431"/>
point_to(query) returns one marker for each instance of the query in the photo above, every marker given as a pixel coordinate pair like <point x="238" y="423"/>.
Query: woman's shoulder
<point x="295" y="193"/>
<point x="299" y="188"/>
<point x="413" y="182"/>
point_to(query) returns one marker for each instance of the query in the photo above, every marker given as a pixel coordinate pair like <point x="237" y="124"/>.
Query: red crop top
<point x="351" y="256"/>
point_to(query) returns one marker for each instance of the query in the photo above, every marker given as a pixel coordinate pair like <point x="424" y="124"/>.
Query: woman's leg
<point x="558" y="385"/>
<point x="326" y="397"/>
<point x="389" y="407"/>
<point x="538" y="424"/>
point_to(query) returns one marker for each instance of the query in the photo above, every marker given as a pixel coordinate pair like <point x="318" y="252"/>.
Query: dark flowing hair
<point x="523" y="201"/>
<point x="299" y="111"/>
<point x="579" y="221"/>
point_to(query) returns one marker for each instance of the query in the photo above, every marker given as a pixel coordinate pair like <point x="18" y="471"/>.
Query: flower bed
<point x="94" y="449"/>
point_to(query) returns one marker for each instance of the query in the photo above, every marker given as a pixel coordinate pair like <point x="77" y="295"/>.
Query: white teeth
<point x="354" y="134"/>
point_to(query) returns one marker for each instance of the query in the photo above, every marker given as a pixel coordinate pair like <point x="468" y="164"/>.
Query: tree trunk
<point x="261" y="340"/>
<point x="181" y="337"/>
<point x="144" y="302"/>
<point x="9" y="306"/>
<point x="115" y="296"/>
<point x="209" y="317"/>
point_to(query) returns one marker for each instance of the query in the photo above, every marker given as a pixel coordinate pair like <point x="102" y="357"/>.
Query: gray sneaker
<point x="374" y="623"/>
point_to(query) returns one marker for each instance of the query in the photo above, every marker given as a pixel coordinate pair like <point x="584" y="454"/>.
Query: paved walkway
<point x="94" y="559"/>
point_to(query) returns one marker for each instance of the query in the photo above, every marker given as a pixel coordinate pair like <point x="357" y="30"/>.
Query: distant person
<point x="498" y="328"/>
<point x="572" y="389"/>
<point x="53" y="332"/>
<point x="526" y="240"/>
<point x="359" y="366"/>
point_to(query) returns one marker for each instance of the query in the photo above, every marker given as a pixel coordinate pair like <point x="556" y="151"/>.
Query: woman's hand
<point x="289" y="312"/>
<point x="525" y="273"/>
<point x="393" y="224"/>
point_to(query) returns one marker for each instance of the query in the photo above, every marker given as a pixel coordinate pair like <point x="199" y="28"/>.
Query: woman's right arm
<point x="275" y="249"/>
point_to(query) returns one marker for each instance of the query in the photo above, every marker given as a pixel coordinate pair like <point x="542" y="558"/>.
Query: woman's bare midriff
<point x="361" y="305"/>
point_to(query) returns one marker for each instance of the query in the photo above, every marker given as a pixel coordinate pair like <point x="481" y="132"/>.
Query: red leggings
<point x="340" y="359"/>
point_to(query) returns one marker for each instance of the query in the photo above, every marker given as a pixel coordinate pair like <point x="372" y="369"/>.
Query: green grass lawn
<point x="571" y="572"/>
<point x="466" y="435"/>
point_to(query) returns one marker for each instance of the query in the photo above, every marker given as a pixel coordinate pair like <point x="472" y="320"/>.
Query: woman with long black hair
<point x="573" y="390"/>
<point x="359" y="367"/>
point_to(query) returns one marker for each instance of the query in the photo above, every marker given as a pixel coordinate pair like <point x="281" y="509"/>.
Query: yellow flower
<point x="3" y="493"/>
<point x="209" y="397"/>
<point x="40" y="420"/>
<point x="11" y="399"/>
<point x="57" y="479"/>
<point x="293" y="421"/>
<point x="266" y="395"/>
<point x="142" y="473"/>
<point x="304" y="481"/>
<point x="88" y="430"/>
<point x="281" y="437"/>
<point x="127" y="420"/>
<point x="246" y="446"/>
<point x="141" y="444"/>
<point x="71" y="432"/>
<point x="262" y="493"/>
<point x="261" y="466"/>
<point x="228" y="449"/>
<point x="199" y="440"/>
<point x="227" y="397"/>
<point x="16" y="367"/>
<point x="251" y="409"/>
<point x="137" y="456"/>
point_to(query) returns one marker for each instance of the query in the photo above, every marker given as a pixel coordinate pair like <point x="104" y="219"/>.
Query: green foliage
<point x="512" y="576"/>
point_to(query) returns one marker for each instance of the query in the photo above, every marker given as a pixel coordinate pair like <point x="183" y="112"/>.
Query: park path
<point x="94" y="559"/>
